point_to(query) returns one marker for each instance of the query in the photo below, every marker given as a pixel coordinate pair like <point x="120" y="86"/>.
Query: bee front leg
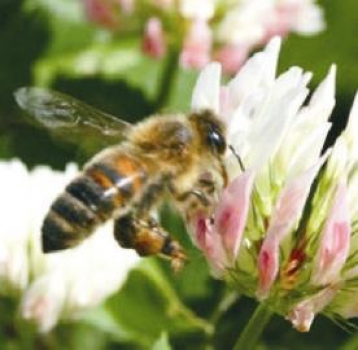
<point x="202" y="195"/>
<point x="147" y="237"/>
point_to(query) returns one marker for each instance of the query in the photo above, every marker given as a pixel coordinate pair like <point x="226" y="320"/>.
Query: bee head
<point x="211" y="130"/>
<point x="212" y="133"/>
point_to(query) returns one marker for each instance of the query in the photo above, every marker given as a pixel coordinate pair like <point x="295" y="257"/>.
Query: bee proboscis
<point x="164" y="156"/>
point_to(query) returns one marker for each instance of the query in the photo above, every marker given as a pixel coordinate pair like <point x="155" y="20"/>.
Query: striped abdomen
<point x="89" y="200"/>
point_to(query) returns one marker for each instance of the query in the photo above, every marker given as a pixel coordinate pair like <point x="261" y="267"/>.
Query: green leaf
<point x="162" y="343"/>
<point x="91" y="51"/>
<point x="63" y="9"/>
<point x="333" y="45"/>
<point x="351" y="343"/>
<point x="107" y="59"/>
<point x="181" y="96"/>
<point x="148" y="305"/>
<point x="103" y="320"/>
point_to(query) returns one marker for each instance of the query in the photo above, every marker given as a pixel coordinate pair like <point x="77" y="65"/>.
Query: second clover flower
<point x="201" y="30"/>
<point x="57" y="286"/>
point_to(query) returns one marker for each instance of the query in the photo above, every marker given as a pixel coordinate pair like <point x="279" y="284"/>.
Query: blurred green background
<point x="49" y="43"/>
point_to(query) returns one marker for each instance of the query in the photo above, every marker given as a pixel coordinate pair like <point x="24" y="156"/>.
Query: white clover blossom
<point x="283" y="230"/>
<point x="205" y="29"/>
<point x="58" y="285"/>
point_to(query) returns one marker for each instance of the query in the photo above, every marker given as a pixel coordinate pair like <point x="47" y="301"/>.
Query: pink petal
<point x="154" y="44"/>
<point x="287" y="210"/>
<point x="209" y="243"/>
<point x="303" y="314"/>
<point x="197" y="45"/>
<point x="100" y="12"/>
<point x="280" y="21"/>
<point x="302" y="317"/>
<point x="268" y="265"/>
<point x="231" y="214"/>
<point x="232" y="57"/>
<point x="127" y="6"/>
<point x="335" y="242"/>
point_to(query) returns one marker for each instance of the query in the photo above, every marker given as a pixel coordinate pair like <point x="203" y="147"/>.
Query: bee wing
<point x="56" y="110"/>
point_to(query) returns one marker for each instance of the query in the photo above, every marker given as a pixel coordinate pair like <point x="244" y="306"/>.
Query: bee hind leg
<point x="147" y="237"/>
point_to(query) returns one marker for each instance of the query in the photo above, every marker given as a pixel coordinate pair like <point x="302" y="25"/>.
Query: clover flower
<point x="59" y="285"/>
<point x="284" y="229"/>
<point x="204" y="29"/>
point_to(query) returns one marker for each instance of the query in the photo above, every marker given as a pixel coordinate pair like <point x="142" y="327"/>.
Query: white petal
<point x="353" y="194"/>
<point x="308" y="152"/>
<point x="258" y="72"/>
<point x="338" y="160"/>
<point x="207" y="89"/>
<point x="275" y="115"/>
<point x="310" y="20"/>
<point x="272" y="52"/>
<point x="44" y="301"/>
<point x="242" y="25"/>
<point x="324" y="95"/>
<point x="351" y="130"/>
<point x="92" y="275"/>
<point x="197" y="8"/>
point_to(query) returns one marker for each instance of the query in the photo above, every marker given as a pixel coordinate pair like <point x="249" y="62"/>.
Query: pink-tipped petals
<point x="232" y="211"/>
<point x="232" y="57"/>
<point x="288" y="209"/>
<point x="154" y="44"/>
<point x="303" y="314"/>
<point x="209" y="243"/>
<point x="100" y="12"/>
<point x="197" y="45"/>
<point x="335" y="242"/>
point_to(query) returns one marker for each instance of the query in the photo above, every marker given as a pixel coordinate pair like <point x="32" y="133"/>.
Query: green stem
<point x="253" y="330"/>
<point x="230" y="297"/>
<point x="168" y="79"/>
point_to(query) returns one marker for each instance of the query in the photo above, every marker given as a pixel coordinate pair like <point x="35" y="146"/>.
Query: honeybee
<point x="164" y="156"/>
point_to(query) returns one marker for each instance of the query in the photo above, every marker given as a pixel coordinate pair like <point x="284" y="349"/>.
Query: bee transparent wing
<point x="56" y="110"/>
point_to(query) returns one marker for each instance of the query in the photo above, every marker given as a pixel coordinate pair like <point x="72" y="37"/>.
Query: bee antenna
<point x="237" y="156"/>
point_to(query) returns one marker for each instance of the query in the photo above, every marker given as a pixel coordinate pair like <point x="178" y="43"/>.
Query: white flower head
<point x="197" y="8"/>
<point x="60" y="284"/>
<point x="244" y="24"/>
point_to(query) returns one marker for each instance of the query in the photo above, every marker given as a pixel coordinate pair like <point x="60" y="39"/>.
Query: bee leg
<point x="150" y="199"/>
<point x="199" y="195"/>
<point x="207" y="185"/>
<point x="147" y="237"/>
<point x="203" y="193"/>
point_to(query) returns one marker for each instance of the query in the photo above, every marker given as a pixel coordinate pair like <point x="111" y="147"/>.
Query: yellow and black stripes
<point x="89" y="200"/>
<point x="68" y="222"/>
<point x="90" y="193"/>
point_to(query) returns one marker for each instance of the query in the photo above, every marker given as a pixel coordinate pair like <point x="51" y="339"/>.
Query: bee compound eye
<point x="217" y="141"/>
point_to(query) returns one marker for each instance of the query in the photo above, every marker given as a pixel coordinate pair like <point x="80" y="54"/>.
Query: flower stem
<point x="253" y="330"/>
<point x="230" y="297"/>
<point x="168" y="79"/>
